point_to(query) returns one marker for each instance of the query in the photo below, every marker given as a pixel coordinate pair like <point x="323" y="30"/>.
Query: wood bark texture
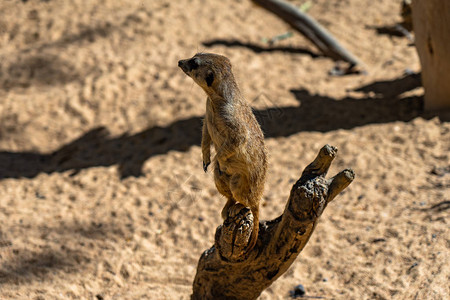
<point x="225" y="271"/>
<point x="431" y="22"/>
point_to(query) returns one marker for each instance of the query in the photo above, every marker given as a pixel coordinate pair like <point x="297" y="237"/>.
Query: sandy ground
<point x="102" y="192"/>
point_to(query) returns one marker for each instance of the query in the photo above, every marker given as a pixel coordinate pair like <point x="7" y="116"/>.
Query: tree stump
<point x="431" y="22"/>
<point x="225" y="271"/>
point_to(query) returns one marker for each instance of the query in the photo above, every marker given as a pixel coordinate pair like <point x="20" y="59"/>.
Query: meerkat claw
<point x="205" y="166"/>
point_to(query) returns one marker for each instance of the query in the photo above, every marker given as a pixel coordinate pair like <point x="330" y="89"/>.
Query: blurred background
<point x="102" y="191"/>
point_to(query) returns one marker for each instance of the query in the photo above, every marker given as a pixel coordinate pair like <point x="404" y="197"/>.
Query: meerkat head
<point x="207" y="70"/>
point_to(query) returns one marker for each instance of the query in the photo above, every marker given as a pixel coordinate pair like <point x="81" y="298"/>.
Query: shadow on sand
<point x="257" y="48"/>
<point x="315" y="113"/>
<point x="65" y="253"/>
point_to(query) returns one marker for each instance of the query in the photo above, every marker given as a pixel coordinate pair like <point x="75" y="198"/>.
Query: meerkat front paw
<point x="205" y="166"/>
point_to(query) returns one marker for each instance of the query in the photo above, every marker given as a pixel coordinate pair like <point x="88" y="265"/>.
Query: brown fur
<point x="240" y="164"/>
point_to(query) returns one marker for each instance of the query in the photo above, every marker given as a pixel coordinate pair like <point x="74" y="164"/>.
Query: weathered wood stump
<point x="431" y="21"/>
<point x="225" y="271"/>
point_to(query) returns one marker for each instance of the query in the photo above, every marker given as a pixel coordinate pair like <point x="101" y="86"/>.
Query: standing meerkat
<point x="240" y="164"/>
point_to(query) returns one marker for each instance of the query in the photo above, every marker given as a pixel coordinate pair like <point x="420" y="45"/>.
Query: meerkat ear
<point x="209" y="78"/>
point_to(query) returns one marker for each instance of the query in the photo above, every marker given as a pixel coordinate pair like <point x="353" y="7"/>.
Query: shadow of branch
<point x="314" y="113"/>
<point x="257" y="48"/>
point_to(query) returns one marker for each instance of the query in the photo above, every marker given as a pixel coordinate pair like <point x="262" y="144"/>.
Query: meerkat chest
<point x="216" y="125"/>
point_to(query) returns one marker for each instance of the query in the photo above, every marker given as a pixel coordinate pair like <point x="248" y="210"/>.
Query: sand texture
<point x="102" y="191"/>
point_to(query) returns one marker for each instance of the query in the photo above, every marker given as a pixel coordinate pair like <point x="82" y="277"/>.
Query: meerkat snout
<point x="188" y="65"/>
<point x="200" y="70"/>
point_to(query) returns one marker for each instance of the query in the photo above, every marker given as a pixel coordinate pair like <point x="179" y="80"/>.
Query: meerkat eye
<point x="193" y="64"/>
<point x="209" y="78"/>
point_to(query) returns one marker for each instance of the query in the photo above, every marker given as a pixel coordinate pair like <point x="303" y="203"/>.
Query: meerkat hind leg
<point x="222" y="182"/>
<point x="227" y="206"/>
<point x="240" y="189"/>
<point x="242" y="192"/>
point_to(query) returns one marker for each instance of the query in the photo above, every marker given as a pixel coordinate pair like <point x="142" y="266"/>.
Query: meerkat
<point x="240" y="163"/>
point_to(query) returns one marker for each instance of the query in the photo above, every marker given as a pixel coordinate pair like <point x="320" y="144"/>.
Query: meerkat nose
<point x="182" y="65"/>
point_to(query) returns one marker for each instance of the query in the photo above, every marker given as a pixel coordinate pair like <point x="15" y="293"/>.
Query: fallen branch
<point x="226" y="272"/>
<point x="311" y="29"/>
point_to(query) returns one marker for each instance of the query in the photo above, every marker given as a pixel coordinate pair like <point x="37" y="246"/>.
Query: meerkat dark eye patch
<point x="193" y="64"/>
<point x="209" y="78"/>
